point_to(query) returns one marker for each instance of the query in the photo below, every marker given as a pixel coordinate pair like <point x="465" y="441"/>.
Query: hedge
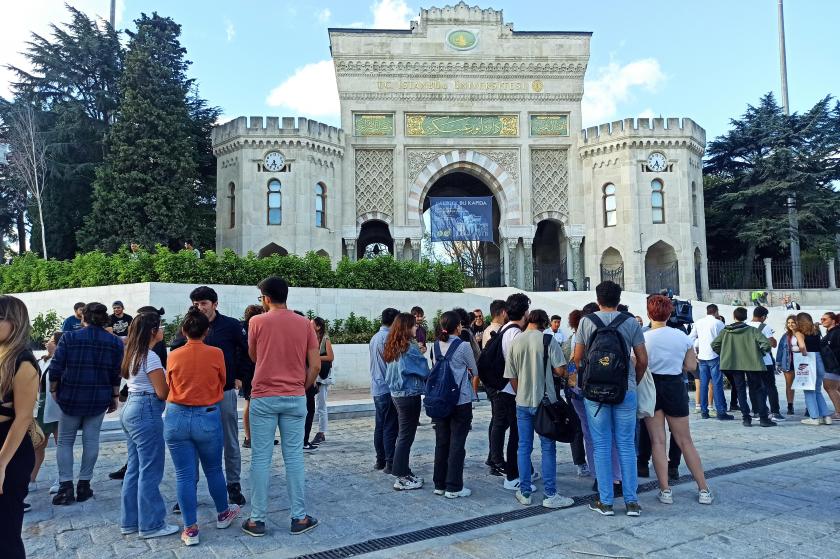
<point x="31" y="273"/>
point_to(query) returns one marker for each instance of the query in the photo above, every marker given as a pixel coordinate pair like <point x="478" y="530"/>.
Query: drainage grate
<point x="443" y="530"/>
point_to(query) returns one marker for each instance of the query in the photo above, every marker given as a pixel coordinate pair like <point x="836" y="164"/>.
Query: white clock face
<point x="656" y="161"/>
<point x="274" y="161"/>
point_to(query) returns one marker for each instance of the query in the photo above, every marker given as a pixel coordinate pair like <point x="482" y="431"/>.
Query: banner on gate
<point x="462" y="219"/>
<point x="805" y="371"/>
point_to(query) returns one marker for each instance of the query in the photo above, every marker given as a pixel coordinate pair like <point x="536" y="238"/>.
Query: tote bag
<point x="805" y="371"/>
<point x="555" y="418"/>
<point x="52" y="412"/>
<point x="645" y="396"/>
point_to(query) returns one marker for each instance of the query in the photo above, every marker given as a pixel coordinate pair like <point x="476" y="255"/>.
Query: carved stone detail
<point x="550" y="182"/>
<point x="444" y="68"/>
<point x="375" y="181"/>
<point x="418" y="159"/>
<point x="475" y="97"/>
<point x="509" y="159"/>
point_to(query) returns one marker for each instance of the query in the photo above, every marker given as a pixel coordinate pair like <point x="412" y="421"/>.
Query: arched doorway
<point x="698" y="273"/>
<point x="374" y="240"/>
<point x="272" y="248"/>
<point x="549" y="250"/>
<point x="612" y="266"/>
<point x="479" y="260"/>
<point x="662" y="270"/>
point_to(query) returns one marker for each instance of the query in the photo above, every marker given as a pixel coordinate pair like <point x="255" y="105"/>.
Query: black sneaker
<point x="725" y="417"/>
<point x="488" y="462"/>
<point x="704" y="415"/>
<point x="643" y="470"/>
<point x="319" y="438"/>
<point x="83" y="491"/>
<point x="303" y="525"/>
<point x="387" y="469"/>
<point x="497" y="470"/>
<point x="176" y="509"/>
<point x="235" y="496"/>
<point x="790" y="409"/>
<point x="379" y="465"/>
<point x="309" y="447"/>
<point x="65" y="495"/>
<point x="119" y="474"/>
<point x="746" y="422"/>
<point x="27" y="507"/>
<point x="767" y="422"/>
<point x="246" y="443"/>
<point x="633" y="509"/>
<point x="254" y="528"/>
<point x="674" y="473"/>
<point x="601" y="508"/>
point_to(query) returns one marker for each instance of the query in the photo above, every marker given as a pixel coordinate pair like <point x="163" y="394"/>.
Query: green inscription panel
<point x="462" y="126"/>
<point x="549" y="125"/>
<point x="373" y="125"/>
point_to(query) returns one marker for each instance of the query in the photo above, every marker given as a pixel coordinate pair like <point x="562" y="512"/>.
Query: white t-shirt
<point x="666" y="348"/>
<point x="705" y="331"/>
<point x="768" y="332"/>
<point x="558" y="335"/>
<point x="140" y="382"/>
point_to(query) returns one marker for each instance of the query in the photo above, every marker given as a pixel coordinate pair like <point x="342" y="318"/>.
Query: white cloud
<point x="647" y="113"/>
<point x="323" y="16"/>
<point x="310" y="91"/>
<point x="20" y="19"/>
<point x="230" y="30"/>
<point x="391" y="14"/>
<point x="614" y="84"/>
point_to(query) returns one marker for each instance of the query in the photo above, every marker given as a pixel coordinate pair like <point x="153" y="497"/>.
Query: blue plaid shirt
<point x="86" y="366"/>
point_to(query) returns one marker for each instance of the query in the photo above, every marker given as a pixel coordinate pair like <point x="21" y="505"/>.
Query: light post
<point x="793" y="224"/>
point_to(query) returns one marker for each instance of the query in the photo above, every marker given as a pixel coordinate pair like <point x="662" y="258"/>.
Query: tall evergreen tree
<point x="752" y="169"/>
<point x="147" y="189"/>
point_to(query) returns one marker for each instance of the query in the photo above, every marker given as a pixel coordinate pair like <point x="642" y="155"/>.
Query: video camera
<point x="682" y="315"/>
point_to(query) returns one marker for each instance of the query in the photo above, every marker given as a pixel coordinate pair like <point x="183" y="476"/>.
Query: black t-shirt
<point x="120" y="325"/>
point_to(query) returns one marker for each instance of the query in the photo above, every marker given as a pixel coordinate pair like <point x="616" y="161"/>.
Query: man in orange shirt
<point x="286" y="353"/>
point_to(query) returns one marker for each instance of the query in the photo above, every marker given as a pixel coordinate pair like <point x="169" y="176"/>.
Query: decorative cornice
<point x="475" y="97"/>
<point x="413" y="68"/>
<point x="231" y="146"/>
<point x="691" y="145"/>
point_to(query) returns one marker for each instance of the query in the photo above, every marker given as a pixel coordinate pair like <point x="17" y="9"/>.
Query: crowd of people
<point x="624" y="380"/>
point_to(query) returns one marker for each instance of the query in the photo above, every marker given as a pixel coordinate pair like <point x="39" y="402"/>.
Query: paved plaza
<point x="775" y="490"/>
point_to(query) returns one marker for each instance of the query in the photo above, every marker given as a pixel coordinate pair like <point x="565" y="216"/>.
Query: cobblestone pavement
<point x="791" y="506"/>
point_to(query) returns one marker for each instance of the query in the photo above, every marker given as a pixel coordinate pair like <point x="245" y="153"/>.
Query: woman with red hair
<point x="670" y="353"/>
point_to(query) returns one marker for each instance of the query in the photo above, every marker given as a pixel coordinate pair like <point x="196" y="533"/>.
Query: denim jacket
<point x="783" y="353"/>
<point x="407" y="375"/>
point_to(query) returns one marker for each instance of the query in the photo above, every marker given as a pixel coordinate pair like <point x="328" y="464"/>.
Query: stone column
<point x="768" y="273"/>
<point x="528" y="280"/>
<point x="832" y="279"/>
<point x="577" y="270"/>
<point x="509" y="254"/>
<point x="350" y="249"/>
<point x="415" y="249"/>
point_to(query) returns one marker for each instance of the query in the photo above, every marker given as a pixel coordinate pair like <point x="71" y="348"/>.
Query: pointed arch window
<point x="320" y="205"/>
<point x="657" y="200"/>
<point x="232" y="202"/>
<point x="275" y="202"/>
<point x="694" y="204"/>
<point x="610" y="211"/>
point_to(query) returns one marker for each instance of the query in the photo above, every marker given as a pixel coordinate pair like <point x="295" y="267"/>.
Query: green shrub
<point x="43" y="327"/>
<point x="30" y="273"/>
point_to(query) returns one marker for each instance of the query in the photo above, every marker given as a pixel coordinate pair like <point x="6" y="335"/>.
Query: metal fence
<point x="613" y="273"/>
<point x="814" y="274"/>
<point x="736" y="274"/>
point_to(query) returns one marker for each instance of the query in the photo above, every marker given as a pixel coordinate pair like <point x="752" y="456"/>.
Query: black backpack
<point x="491" y="361"/>
<point x="604" y="367"/>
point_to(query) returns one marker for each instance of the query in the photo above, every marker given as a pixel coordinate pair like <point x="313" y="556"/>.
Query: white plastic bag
<point x="52" y="412"/>
<point x="645" y="397"/>
<point x="805" y="371"/>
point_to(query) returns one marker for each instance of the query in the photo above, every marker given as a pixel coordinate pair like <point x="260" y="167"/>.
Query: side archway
<point x="374" y="240"/>
<point x="270" y="249"/>
<point x="662" y="269"/>
<point x="612" y="266"/>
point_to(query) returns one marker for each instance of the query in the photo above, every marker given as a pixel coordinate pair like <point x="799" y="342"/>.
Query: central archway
<point x="481" y="261"/>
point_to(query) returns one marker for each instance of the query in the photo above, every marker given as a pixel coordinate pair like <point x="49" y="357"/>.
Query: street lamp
<point x="793" y="225"/>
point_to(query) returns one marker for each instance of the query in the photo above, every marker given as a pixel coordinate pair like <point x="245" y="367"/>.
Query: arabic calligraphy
<point x="549" y="125"/>
<point x="373" y="125"/>
<point x="453" y="126"/>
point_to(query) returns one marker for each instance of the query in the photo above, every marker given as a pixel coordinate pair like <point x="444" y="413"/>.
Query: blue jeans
<point x="267" y="414"/>
<point x="614" y="422"/>
<point x="68" y="426"/>
<point x="191" y="431"/>
<point x="814" y="399"/>
<point x="386" y="428"/>
<point x="525" y="425"/>
<point x="142" y="503"/>
<point x="711" y="368"/>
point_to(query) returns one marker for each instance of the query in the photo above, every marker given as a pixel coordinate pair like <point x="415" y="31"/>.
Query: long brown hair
<point x="806" y="324"/>
<point x="399" y="337"/>
<point x="14" y="311"/>
<point x="140" y="333"/>
<point x="790" y="317"/>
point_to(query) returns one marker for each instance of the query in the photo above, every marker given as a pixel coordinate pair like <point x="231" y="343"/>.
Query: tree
<point x="28" y="156"/>
<point x="149" y="186"/>
<point x="73" y="85"/>
<point x="751" y="170"/>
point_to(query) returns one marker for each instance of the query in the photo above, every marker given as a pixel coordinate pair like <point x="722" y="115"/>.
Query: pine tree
<point x="146" y="188"/>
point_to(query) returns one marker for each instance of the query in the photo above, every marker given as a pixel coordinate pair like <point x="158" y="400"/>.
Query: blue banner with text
<point x="462" y="219"/>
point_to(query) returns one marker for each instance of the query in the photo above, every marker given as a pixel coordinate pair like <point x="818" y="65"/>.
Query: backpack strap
<point x="452" y="347"/>
<point x="550" y="393"/>
<point x="438" y="355"/>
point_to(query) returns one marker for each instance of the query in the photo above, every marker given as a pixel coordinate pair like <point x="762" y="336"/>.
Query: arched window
<point x="694" y="203"/>
<point x="320" y="205"/>
<point x="657" y="201"/>
<point x="232" y="201"/>
<point x="275" y="203"/>
<point x="610" y="214"/>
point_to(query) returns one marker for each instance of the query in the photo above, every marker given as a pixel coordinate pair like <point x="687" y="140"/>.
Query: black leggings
<point x="310" y="411"/>
<point x="15" y="489"/>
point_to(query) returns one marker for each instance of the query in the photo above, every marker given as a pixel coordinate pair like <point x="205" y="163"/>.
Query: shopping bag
<point x="52" y="412"/>
<point x="645" y="397"/>
<point x="805" y="371"/>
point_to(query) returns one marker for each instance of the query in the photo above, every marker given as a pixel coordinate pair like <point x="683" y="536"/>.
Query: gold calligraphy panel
<point x="549" y="125"/>
<point x="373" y="124"/>
<point x="461" y="126"/>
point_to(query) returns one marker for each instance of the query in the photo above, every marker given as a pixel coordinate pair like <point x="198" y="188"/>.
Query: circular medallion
<point x="537" y="86"/>
<point x="461" y="39"/>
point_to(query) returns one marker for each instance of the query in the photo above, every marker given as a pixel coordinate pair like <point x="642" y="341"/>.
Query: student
<point x="788" y="345"/>
<point x="808" y="337"/>
<point x="768" y="377"/>
<point x="193" y="423"/>
<point x="324" y="382"/>
<point x="498" y="318"/>
<point x="406" y="374"/>
<point x="248" y="376"/>
<point x="142" y="507"/>
<point x="18" y="392"/>
<point x="119" y="321"/>
<point x="74" y="321"/>
<point x="422" y="335"/>
<point x="528" y="367"/>
<point x="385" y="422"/>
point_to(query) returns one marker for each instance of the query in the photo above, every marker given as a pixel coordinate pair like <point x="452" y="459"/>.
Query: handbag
<point x="36" y="434"/>
<point x="555" y="418"/>
<point x="645" y="396"/>
<point x="326" y="367"/>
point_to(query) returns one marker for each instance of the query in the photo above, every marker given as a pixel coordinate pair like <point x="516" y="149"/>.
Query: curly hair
<point x="574" y="319"/>
<point x="659" y="308"/>
<point x="399" y="337"/>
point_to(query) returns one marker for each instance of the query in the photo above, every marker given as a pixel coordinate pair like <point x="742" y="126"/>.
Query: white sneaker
<point x="407" y="483"/>
<point x="524" y="499"/>
<point x="54" y="487"/>
<point x="513" y="485"/>
<point x="583" y="471"/>
<point x="557" y="501"/>
<point x="666" y="497"/>
<point x="127" y="531"/>
<point x="811" y="421"/>
<point x="33" y="486"/>
<point x="440" y="492"/>
<point x="455" y="494"/>
<point x="827" y="420"/>
<point x="166" y="530"/>
<point x="705" y="497"/>
<point x="224" y="519"/>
